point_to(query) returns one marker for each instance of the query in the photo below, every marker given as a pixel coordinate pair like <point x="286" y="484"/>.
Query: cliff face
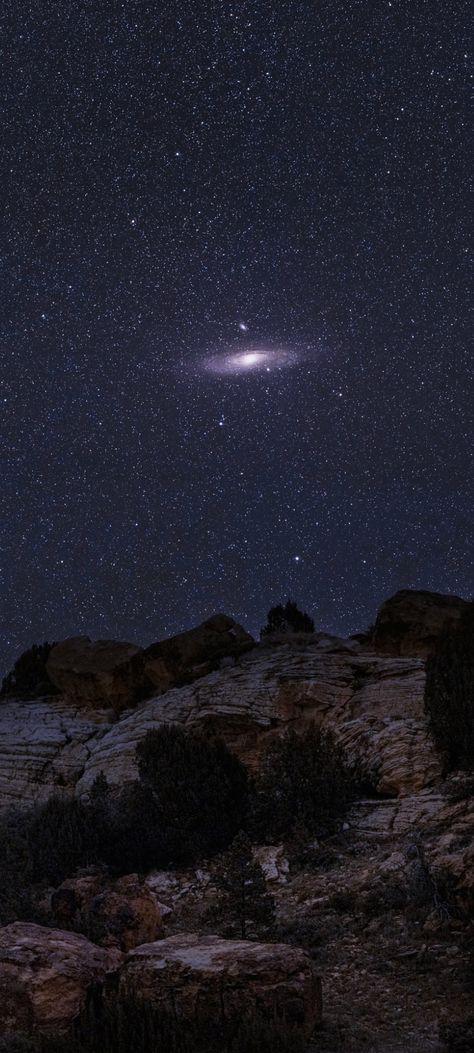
<point x="373" y="703"/>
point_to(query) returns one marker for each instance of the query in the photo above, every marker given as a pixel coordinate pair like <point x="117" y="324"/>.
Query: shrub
<point x="61" y="837"/>
<point x="190" y="801"/>
<point x="303" y="782"/>
<point x="246" y="906"/>
<point x="449" y="693"/>
<point x="29" y="677"/>
<point x="16" y="895"/>
<point x="287" y="619"/>
<point x="194" y="791"/>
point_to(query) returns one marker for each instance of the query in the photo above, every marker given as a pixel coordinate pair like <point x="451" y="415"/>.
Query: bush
<point x="29" y="678"/>
<point x="16" y="900"/>
<point x="190" y="801"/>
<point x="449" y="694"/>
<point x="287" y="619"/>
<point x="303" y="783"/>
<point x="61" y="837"/>
<point x="246" y="907"/>
<point x="194" y="791"/>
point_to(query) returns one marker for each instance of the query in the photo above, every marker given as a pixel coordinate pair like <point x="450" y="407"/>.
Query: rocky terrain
<point x="365" y="916"/>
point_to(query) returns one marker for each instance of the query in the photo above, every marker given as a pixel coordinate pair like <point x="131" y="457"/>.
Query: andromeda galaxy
<point x="250" y="360"/>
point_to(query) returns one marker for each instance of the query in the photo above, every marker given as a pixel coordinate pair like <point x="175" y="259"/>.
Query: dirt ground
<point x="392" y="966"/>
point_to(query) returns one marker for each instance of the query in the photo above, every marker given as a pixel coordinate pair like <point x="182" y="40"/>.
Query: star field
<point x="187" y="183"/>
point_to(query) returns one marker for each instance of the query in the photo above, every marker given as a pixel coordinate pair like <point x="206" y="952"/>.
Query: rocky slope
<point x="374" y="704"/>
<point x="370" y="906"/>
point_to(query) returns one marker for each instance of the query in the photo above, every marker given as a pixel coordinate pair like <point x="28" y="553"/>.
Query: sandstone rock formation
<point x="410" y="622"/>
<point x="44" y="746"/>
<point x="195" y="653"/>
<point x="96" y="674"/>
<point x="206" y="979"/>
<point x="45" y="974"/>
<point x="372" y="702"/>
<point x="374" y="705"/>
<point x="125" y="909"/>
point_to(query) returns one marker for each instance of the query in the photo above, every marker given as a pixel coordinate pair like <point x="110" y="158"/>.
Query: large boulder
<point x="410" y="622"/>
<point x="45" y="975"/>
<point x="192" y="654"/>
<point x="125" y="909"/>
<point x="205" y="979"/>
<point x="96" y="674"/>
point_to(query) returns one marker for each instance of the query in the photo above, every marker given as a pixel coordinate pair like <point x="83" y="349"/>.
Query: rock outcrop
<point x="125" y="909"/>
<point x="117" y="675"/>
<point x="192" y="654"/>
<point x="410" y="622"/>
<point x="44" y="747"/>
<point x="104" y="673"/>
<point x="45" y="975"/>
<point x="205" y="979"/>
<point x="373" y="704"/>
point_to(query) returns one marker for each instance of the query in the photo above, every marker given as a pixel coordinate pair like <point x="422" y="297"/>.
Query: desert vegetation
<point x="449" y="694"/>
<point x="29" y="677"/>
<point x="287" y="618"/>
<point x="191" y="800"/>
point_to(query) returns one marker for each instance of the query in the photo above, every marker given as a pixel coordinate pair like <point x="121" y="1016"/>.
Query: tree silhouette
<point x="29" y="677"/>
<point x="287" y="619"/>
<point x="246" y="905"/>
<point x="449" y="693"/>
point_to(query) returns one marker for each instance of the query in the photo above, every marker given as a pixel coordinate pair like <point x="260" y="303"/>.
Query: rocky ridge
<point x="384" y="960"/>
<point x="373" y="703"/>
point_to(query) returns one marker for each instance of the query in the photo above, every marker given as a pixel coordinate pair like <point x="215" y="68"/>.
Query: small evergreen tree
<point x="303" y="783"/>
<point x="246" y="906"/>
<point x="61" y="838"/>
<point x="287" y="619"/>
<point x="15" y="869"/>
<point x="198" y="789"/>
<point x="29" y="677"/>
<point x="449" y="693"/>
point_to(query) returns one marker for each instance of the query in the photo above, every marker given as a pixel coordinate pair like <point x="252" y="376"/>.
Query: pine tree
<point x="287" y="619"/>
<point x="29" y="677"/>
<point x="303" y="781"/>
<point x="449" y="693"/>
<point x="198" y="788"/>
<point x="246" y="905"/>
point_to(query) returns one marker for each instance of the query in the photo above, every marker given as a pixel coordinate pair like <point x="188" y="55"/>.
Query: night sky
<point x="234" y="312"/>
